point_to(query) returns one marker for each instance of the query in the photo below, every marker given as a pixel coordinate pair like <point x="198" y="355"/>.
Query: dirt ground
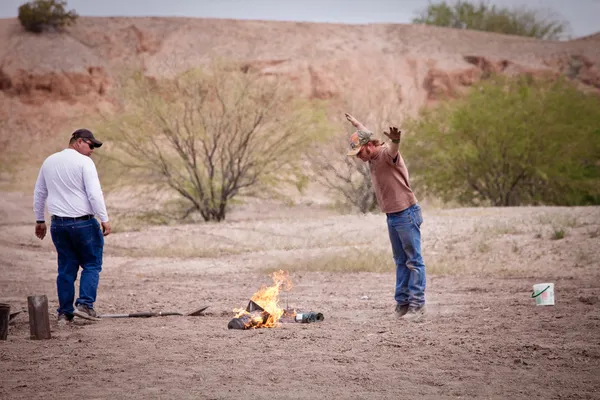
<point x="483" y="336"/>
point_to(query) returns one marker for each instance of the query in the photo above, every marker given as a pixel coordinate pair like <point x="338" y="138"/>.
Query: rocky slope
<point x="49" y="81"/>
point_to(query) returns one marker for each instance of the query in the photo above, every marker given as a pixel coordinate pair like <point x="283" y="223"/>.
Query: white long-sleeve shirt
<point x="69" y="182"/>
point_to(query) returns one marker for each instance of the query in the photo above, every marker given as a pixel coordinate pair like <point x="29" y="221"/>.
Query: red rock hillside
<point x="49" y="81"/>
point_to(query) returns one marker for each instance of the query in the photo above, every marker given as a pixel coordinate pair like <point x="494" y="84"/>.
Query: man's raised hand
<point x="394" y="133"/>
<point x="352" y="120"/>
<point x="355" y="122"/>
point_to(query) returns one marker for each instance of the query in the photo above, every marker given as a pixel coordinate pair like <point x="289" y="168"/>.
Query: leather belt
<point x="83" y="218"/>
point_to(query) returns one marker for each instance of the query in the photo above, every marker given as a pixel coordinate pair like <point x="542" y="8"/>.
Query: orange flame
<point x="267" y="297"/>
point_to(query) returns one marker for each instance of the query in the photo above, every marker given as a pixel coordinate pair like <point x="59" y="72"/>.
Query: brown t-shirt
<point x="391" y="182"/>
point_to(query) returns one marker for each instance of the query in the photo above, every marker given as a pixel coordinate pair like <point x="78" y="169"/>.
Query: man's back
<point x="71" y="182"/>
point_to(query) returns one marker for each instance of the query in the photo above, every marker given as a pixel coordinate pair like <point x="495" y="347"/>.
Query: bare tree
<point x="345" y="177"/>
<point x="211" y="135"/>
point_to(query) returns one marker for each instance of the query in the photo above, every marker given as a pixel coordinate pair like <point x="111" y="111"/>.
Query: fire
<point x="268" y="312"/>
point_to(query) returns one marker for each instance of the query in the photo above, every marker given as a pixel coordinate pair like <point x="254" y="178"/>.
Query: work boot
<point x="401" y="310"/>
<point x="414" y="313"/>
<point x="64" y="318"/>
<point x="85" y="312"/>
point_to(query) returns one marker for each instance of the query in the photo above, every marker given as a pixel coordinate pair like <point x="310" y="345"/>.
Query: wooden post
<point x="4" y="318"/>
<point x="39" y="322"/>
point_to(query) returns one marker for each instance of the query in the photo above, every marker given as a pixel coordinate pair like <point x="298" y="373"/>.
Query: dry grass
<point x="558" y="220"/>
<point x="365" y="261"/>
<point x="506" y="242"/>
<point x="354" y="261"/>
<point x="487" y="242"/>
<point x="498" y="229"/>
<point x="168" y="251"/>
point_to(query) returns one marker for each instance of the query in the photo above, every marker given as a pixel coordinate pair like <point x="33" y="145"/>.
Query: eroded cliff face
<point x="37" y="88"/>
<point x="47" y="80"/>
<point x="322" y="58"/>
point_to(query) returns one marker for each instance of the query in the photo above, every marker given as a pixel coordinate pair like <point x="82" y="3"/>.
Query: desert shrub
<point x="509" y="142"/>
<point x="40" y="15"/>
<point x="210" y="136"/>
<point x="558" y="234"/>
<point x="486" y="17"/>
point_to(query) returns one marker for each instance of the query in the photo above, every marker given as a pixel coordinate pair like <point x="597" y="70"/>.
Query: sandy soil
<point x="482" y="338"/>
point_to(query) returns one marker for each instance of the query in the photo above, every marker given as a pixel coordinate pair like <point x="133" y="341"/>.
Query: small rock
<point x="591" y="300"/>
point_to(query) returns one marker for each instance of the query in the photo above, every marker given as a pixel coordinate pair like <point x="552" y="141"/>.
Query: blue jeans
<point x="78" y="243"/>
<point x="404" y="228"/>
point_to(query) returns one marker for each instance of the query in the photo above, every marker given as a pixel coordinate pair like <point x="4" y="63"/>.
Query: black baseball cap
<point x="86" y="134"/>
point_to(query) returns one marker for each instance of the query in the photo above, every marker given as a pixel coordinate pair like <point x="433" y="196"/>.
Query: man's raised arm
<point x="355" y="123"/>
<point x="394" y="136"/>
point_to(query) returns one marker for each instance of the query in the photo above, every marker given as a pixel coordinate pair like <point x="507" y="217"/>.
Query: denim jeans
<point x="404" y="228"/>
<point x="78" y="243"/>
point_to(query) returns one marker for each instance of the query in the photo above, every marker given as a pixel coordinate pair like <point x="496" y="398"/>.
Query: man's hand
<point x="40" y="230"/>
<point x="106" y="228"/>
<point x="350" y="118"/>
<point x="355" y="122"/>
<point x="394" y="133"/>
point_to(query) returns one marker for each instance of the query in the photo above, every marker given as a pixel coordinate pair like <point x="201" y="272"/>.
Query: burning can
<point x="249" y="320"/>
<point x="309" y="317"/>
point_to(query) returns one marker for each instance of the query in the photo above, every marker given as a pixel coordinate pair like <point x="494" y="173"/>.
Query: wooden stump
<point x="4" y="318"/>
<point x="39" y="322"/>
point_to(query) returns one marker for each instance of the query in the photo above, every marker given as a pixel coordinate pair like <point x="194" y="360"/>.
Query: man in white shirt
<point x="68" y="182"/>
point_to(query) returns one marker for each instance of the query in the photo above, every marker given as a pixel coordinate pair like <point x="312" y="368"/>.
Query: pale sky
<point x="582" y="15"/>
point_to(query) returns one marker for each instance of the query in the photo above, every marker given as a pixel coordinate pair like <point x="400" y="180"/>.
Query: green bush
<point x="40" y="15"/>
<point x="509" y="142"/>
<point x="485" y="17"/>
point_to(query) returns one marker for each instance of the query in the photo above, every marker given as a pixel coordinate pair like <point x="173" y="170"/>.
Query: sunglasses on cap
<point x="92" y="145"/>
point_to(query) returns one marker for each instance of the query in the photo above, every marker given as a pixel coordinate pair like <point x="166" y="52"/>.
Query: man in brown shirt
<point x="404" y="218"/>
